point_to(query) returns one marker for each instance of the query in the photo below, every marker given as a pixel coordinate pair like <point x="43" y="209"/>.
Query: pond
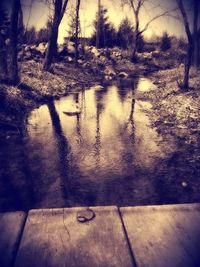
<point x="94" y="147"/>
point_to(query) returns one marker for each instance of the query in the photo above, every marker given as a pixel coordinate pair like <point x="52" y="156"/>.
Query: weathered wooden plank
<point x="11" y="227"/>
<point x="56" y="238"/>
<point x="163" y="236"/>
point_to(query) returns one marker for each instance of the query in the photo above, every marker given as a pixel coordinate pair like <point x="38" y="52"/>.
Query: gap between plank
<point x="134" y="264"/>
<point x="19" y="240"/>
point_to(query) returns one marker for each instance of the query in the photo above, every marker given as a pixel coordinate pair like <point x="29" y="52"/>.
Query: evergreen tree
<point x="43" y="35"/>
<point x="125" y="35"/>
<point x="30" y="36"/>
<point x="107" y="32"/>
<point x="165" y="42"/>
<point x="141" y="43"/>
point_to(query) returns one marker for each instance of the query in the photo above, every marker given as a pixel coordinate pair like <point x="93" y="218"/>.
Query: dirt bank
<point x="175" y="115"/>
<point x="38" y="86"/>
<point x="175" y="112"/>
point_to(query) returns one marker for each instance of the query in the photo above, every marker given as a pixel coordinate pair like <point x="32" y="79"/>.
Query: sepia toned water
<point x="94" y="147"/>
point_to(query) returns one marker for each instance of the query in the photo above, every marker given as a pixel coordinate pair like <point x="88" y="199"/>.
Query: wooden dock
<point x="146" y="236"/>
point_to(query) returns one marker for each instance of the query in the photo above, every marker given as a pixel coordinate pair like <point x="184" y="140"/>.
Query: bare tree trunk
<point x="77" y="29"/>
<point x="52" y="44"/>
<point x="51" y="49"/>
<point x="198" y="46"/>
<point x="3" y="60"/>
<point x="136" y="38"/>
<point x="188" y="62"/>
<point x="195" y="33"/>
<point x="98" y="25"/>
<point x="20" y="25"/>
<point x="51" y="53"/>
<point x="137" y="6"/>
<point x="13" y="64"/>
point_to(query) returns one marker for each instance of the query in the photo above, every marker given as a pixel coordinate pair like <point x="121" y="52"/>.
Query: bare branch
<point x="64" y="8"/>
<point x="153" y="19"/>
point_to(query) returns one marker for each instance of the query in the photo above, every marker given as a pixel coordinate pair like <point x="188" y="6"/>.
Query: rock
<point x="80" y="61"/>
<point x="147" y="55"/>
<point x="97" y="87"/>
<point x="184" y="184"/>
<point x="71" y="48"/>
<point x="69" y="59"/>
<point x="95" y="52"/>
<point x="41" y="48"/>
<point x="116" y="54"/>
<point x="156" y="54"/>
<point x="86" y="65"/>
<point x="108" y="78"/>
<point x="109" y="71"/>
<point x="88" y="48"/>
<point x="62" y="50"/>
<point x="103" y="59"/>
<point x="27" y="48"/>
<point x="123" y="74"/>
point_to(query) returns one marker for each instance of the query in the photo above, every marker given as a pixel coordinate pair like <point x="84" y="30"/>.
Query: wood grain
<point x="163" y="236"/>
<point x="56" y="238"/>
<point x="11" y="226"/>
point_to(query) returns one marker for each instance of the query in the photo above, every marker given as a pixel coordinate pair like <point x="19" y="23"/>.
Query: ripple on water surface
<point x="94" y="147"/>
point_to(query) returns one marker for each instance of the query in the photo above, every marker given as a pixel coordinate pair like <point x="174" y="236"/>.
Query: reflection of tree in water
<point x="80" y="102"/>
<point x="99" y="109"/>
<point x="124" y="92"/>
<point x="75" y="188"/>
<point x="125" y="85"/>
<point x="63" y="149"/>
<point x="130" y="122"/>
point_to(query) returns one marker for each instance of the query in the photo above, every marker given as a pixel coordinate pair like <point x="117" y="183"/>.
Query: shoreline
<point x="38" y="87"/>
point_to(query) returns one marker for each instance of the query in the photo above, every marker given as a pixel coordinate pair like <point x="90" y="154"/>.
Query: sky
<point x="37" y="15"/>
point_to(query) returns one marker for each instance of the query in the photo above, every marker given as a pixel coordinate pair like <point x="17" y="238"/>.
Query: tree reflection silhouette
<point x="99" y="109"/>
<point x="63" y="150"/>
<point x="75" y="190"/>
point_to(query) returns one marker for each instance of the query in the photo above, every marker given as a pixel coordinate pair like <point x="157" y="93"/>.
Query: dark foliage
<point x="165" y="42"/>
<point x="107" y="32"/>
<point x="125" y="35"/>
<point x="30" y="36"/>
<point x="141" y="43"/>
<point x="43" y="35"/>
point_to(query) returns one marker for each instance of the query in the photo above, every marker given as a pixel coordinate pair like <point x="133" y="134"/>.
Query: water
<point x="94" y="147"/>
